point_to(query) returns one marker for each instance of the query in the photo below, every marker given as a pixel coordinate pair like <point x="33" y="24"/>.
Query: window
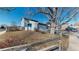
<point x="29" y="25"/>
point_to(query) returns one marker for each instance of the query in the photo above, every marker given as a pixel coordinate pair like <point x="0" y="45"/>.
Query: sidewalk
<point x="73" y="43"/>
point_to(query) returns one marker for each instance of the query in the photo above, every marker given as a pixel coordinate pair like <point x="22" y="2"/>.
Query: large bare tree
<point x="57" y="16"/>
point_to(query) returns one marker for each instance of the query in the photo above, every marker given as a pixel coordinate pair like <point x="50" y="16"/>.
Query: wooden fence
<point x="26" y="47"/>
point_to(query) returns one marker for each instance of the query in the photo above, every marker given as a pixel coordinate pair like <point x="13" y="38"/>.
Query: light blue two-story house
<point x="30" y="24"/>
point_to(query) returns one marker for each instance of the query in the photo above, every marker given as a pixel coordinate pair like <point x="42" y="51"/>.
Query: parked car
<point x="71" y="29"/>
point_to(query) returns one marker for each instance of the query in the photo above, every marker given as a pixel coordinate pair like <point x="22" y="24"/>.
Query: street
<point x="74" y="42"/>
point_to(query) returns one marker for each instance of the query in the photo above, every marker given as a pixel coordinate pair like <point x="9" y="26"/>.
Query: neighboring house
<point x="76" y="25"/>
<point x="64" y="26"/>
<point x="10" y="28"/>
<point x="30" y="24"/>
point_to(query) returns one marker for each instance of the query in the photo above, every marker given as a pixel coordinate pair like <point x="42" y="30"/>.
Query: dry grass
<point x="44" y="45"/>
<point x="65" y="42"/>
<point x="21" y="37"/>
<point x="24" y="37"/>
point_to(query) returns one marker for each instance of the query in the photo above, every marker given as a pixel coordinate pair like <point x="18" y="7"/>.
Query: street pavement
<point x="74" y="42"/>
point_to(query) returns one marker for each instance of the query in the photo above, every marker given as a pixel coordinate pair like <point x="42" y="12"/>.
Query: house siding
<point x="33" y="27"/>
<point x="24" y="23"/>
<point x="42" y="27"/>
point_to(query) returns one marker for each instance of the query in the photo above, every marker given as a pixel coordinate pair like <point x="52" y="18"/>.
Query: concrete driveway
<point x="2" y="32"/>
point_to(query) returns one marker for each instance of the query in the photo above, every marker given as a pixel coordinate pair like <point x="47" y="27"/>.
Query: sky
<point x="18" y="13"/>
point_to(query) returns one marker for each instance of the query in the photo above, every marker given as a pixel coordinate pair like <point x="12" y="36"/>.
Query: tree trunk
<point x="52" y="28"/>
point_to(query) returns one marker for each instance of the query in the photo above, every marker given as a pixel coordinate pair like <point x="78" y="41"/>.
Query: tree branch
<point x="70" y="18"/>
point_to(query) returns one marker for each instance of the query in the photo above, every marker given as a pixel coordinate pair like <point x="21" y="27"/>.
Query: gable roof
<point x="36" y="21"/>
<point x="43" y="24"/>
<point x="30" y="19"/>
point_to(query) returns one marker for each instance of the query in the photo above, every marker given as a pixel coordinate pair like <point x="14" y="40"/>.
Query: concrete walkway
<point x="74" y="42"/>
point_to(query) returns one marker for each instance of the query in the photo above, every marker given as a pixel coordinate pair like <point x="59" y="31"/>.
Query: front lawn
<point x="15" y="38"/>
<point x="21" y="37"/>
